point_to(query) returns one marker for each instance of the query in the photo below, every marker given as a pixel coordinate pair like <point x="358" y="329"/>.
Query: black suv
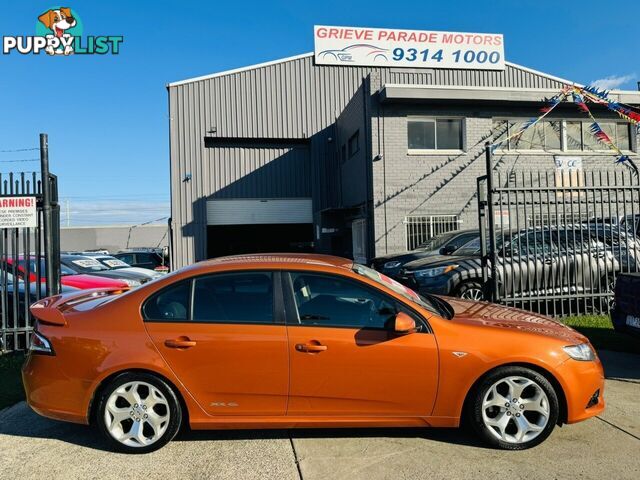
<point x="551" y="260"/>
<point x="151" y="258"/>
<point x="443" y="244"/>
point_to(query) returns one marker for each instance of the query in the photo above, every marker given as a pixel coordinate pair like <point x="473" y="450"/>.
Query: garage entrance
<point x="240" y="226"/>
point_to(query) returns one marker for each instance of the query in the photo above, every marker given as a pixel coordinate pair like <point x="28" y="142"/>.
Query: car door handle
<point x="180" y="342"/>
<point x="310" y="348"/>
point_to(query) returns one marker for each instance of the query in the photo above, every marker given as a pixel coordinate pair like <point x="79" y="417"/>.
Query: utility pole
<point x="68" y="213"/>
<point x="49" y="264"/>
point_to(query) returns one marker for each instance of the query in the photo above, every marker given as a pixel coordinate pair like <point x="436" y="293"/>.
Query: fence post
<point x="52" y="273"/>
<point x="491" y="217"/>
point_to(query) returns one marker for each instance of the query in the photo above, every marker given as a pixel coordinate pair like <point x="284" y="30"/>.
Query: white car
<point x="117" y="264"/>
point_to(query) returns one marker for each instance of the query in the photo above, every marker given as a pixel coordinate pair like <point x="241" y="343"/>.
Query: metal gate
<point x="555" y="241"/>
<point x="29" y="256"/>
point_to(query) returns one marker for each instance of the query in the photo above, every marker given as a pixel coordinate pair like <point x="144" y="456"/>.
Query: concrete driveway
<point x="604" y="447"/>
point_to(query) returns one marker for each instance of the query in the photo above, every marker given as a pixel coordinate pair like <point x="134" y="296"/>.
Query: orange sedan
<point x="283" y="341"/>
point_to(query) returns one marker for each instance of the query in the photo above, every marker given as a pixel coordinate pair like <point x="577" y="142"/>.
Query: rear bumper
<point x="580" y="381"/>
<point x="619" y="320"/>
<point x="51" y="393"/>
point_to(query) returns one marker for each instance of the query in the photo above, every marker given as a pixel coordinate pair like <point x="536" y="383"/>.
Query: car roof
<point x="282" y="258"/>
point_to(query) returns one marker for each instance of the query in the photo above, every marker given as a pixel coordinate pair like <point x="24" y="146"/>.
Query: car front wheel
<point x="138" y="413"/>
<point x="514" y="408"/>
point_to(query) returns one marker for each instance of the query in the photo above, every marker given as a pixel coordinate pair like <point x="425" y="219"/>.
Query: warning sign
<point x="18" y="212"/>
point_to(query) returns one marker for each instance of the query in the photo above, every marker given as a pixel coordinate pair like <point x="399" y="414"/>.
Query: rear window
<point x="170" y="304"/>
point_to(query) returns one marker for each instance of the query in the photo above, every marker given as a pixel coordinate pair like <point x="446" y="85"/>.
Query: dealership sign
<point x="384" y="47"/>
<point x="18" y="212"/>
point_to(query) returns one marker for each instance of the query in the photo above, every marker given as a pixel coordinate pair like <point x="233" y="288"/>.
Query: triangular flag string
<point x="581" y="96"/>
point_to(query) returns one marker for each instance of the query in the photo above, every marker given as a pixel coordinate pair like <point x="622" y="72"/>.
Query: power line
<point x="21" y="160"/>
<point x="20" y="150"/>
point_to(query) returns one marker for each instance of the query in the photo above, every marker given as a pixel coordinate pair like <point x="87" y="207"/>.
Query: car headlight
<point x="434" y="272"/>
<point x="132" y="283"/>
<point x="390" y="265"/>
<point x="582" y="352"/>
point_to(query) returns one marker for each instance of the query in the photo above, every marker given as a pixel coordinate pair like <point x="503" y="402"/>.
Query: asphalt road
<point x="603" y="447"/>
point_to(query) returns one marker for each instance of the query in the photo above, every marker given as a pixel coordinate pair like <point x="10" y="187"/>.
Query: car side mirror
<point x="448" y="249"/>
<point x="403" y="324"/>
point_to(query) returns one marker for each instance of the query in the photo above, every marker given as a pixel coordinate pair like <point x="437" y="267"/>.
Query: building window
<point x="558" y="135"/>
<point x="354" y="143"/>
<point x="434" y="134"/>
<point x="543" y="136"/>
<point x="419" y="229"/>
<point x="580" y="138"/>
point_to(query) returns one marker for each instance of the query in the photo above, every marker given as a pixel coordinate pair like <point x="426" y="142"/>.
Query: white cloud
<point x="112" y="212"/>
<point x="613" y="81"/>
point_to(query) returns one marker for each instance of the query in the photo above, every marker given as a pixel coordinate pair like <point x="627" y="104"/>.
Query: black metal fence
<point x="29" y="256"/>
<point x="555" y="241"/>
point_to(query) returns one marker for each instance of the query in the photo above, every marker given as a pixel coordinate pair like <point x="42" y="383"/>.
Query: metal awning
<point x="439" y="93"/>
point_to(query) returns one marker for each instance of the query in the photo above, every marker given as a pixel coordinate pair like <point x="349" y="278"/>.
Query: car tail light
<point x="40" y="344"/>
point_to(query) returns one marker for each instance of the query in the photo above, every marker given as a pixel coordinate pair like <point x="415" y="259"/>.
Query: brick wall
<point x="406" y="184"/>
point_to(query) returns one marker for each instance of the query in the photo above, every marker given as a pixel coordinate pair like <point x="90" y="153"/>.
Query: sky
<point x="107" y="116"/>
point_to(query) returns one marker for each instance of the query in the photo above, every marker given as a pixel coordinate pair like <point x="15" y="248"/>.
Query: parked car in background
<point x="631" y="223"/>
<point x="13" y="291"/>
<point x="152" y="258"/>
<point x="305" y="341"/>
<point x="443" y="244"/>
<point x="529" y="261"/>
<point x="625" y="315"/>
<point x="118" y="265"/>
<point x="91" y="266"/>
<point x="68" y="277"/>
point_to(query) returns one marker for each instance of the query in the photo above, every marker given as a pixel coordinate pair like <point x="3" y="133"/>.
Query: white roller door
<point x="250" y="211"/>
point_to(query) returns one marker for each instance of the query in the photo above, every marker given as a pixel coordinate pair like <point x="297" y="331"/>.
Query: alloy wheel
<point x="137" y="414"/>
<point x="515" y="409"/>
<point x="473" y="294"/>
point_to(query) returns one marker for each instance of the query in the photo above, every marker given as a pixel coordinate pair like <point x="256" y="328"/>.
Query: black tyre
<point x="138" y="413"/>
<point x="513" y="408"/>
<point x="471" y="291"/>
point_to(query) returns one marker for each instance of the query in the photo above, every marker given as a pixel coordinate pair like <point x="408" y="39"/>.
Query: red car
<point x="67" y="276"/>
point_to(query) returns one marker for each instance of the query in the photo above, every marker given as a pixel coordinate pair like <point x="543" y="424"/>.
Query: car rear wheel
<point x="514" y="408"/>
<point x="471" y="291"/>
<point x="138" y="413"/>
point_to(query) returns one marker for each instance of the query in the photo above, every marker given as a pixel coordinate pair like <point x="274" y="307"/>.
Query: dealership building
<point x="356" y="159"/>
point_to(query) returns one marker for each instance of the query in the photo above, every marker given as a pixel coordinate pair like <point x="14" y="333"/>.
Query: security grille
<point x="422" y="228"/>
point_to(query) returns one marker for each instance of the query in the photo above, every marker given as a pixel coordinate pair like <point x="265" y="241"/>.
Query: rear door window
<point x="170" y="304"/>
<point x="245" y="297"/>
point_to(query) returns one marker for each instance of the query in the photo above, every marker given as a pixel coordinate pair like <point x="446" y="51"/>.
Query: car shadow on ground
<point x="21" y="421"/>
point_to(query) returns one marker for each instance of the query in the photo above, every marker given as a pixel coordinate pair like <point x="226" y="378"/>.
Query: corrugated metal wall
<point x="293" y="99"/>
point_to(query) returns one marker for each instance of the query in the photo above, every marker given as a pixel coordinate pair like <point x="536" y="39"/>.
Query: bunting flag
<point x="581" y="96"/>
<point x="552" y="103"/>
<point x="601" y="97"/>
<point x="603" y="138"/>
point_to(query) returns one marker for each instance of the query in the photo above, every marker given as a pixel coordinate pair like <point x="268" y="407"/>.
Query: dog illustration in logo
<point x="59" y="21"/>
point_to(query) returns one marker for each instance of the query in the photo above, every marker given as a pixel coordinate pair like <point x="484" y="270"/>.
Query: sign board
<point x="567" y="164"/>
<point x="386" y="47"/>
<point x="18" y="212"/>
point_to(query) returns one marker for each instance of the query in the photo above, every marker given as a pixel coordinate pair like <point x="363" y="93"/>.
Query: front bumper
<point x="438" y="285"/>
<point x="580" y="381"/>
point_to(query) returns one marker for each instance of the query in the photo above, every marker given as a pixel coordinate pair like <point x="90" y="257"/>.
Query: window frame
<point x="291" y="309"/>
<point x="278" y="313"/>
<point x="564" y="144"/>
<point x="436" y="150"/>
